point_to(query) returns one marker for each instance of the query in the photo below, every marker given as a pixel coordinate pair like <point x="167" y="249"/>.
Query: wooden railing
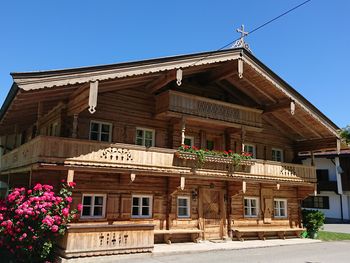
<point x="58" y="150"/>
<point x="182" y="103"/>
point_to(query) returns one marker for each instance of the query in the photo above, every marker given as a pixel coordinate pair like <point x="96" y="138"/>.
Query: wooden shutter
<point x="266" y="201"/>
<point x="112" y="206"/>
<point x="126" y="206"/>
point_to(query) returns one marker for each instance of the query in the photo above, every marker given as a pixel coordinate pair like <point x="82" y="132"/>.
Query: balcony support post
<point x="243" y="133"/>
<point x="183" y="129"/>
<point x="75" y="125"/>
<point x="70" y="176"/>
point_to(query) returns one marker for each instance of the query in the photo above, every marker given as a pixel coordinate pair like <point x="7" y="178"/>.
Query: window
<point x="141" y="206"/>
<point x="93" y="205"/>
<point x="100" y="131"/>
<point x="145" y="137"/>
<point x="249" y="148"/>
<point x="183" y="206"/>
<point x="189" y="140"/>
<point x="277" y="155"/>
<point x="321" y="202"/>
<point x="322" y="175"/>
<point x="280" y="207"/>
<point x="251" y="206"/>
<point x="210" y="145"/>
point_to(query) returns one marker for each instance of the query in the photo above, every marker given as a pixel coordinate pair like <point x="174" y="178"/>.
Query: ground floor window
<point x="321" y="202"/>
<point x="280" y="208"/>
<point x="93" y="205"/>
<point x="141" y="206"/>
<point x="251" y="206"/>
<point x="183" y="206"/>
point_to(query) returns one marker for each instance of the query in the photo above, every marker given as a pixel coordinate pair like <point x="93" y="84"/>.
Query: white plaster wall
<point x="324" y="163"/>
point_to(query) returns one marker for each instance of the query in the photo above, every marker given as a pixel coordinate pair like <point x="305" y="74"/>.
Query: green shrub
<point x="313" y="220"/>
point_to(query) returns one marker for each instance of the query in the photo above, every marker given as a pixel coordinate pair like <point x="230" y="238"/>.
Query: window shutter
<point x="126" y="206"/>
<point x="158" y="208"/>
<point x="112" y="206"/>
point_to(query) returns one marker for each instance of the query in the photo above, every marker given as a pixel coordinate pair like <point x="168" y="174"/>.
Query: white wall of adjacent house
<point x="324" y="163"/>
<point x="334" y="210"/>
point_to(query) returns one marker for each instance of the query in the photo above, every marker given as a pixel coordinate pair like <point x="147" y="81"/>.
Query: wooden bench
<point x="168" y="233"/>
<point x="281" y="231"/>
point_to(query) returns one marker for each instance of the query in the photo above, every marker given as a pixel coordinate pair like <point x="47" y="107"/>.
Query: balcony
<point x="177" y="104"/>
<point x="66" y="151"/>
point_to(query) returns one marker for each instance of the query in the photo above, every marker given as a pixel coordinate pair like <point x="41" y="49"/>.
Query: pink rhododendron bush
<point x="32" y="219"/>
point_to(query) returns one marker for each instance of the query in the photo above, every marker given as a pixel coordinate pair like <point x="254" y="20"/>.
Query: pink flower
<point x="80" y="207"/>
<point x="69" y="199"/>
<point x="54" y="228"/>
<point x="38" y="187"/>
<point x="72" y="184"/>
<point x="65" y="211"/>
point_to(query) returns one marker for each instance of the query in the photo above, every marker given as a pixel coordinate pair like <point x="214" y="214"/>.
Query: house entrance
<point x="213" y="212"/>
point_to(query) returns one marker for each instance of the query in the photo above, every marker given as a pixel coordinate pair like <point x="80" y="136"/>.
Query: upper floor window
<point x="277" y="155"/>
<point x="145" y="137"/>
<point x="141" y="206"/>
<point x="210" y="145"/>
<point x="100" y="131"/>
<point x="93" y="205"/>
<point x="183" y="206"/>
<point x="251" y="206"/>
<point x="280" y="207"/>
<point x="322" y="175"/>
<point x="189" y="140"/>
<point x="250" y="148"/>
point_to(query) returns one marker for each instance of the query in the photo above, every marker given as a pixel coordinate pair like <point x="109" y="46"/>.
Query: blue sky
<point x="308" y="48"/>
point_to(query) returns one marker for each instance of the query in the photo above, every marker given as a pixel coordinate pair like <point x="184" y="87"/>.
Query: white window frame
<point x="277" y="150"/>
<point x="250" y="207"/>
<point x="190" y="138"/>
<point x="100" y="129"/>
<point x="104" y="196"/>
<point x="254" y="149"/>
<point x="140" y="206"/>
<point x="279" y="207"/>
<point x="143" y="138"/>
<point x="188" y="198"/>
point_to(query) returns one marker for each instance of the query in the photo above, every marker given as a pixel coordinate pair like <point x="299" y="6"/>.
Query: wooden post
<point x="200" y="213"/>
<point x="338" y="169"/>
<point x="183" y="129"/>
<point x="75" y="126"/>
<point x="243" y="133"/>
<point x="70" y="176"/>
<point x="312" y="158"/>
<point x="40" y="113"/>
<point x="228" y="209"/>
<point x="168" y="204"/>
<point x="203" y="139"/>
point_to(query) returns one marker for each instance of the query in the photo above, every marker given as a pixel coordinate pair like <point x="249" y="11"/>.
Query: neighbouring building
<point x="115" y="130"/>
<point x="333" y="185"/>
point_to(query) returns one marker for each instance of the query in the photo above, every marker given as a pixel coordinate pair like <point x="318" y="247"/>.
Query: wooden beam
<point x="306" y="125"/>
<point x="248" y="93"/>
<point x="220" y="73"/>
<point x="290" y="125"/>
<point x="260" y="90"/>
<point x="160" y="82"/>
<point x="270" y="119"/>
<point x="329" y="143"/>
<point x="281" y="105"/>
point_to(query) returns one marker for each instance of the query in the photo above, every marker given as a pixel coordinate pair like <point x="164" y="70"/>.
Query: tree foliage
<point x="345" y="134"/>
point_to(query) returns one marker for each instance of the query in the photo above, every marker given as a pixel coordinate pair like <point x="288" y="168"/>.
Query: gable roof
<point x="193" y="63"/>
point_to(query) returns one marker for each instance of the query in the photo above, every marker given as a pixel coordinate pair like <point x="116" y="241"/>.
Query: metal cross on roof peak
<point x="240" y="42"/>
<point x="243" y="33"/>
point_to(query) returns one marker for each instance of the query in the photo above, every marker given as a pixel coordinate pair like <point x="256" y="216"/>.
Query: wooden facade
<point x="136" y="187"/>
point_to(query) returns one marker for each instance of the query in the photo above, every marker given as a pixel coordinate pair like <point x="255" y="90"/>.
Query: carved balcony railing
<point x="67" y="151"/>
<point x="177" y="103"/>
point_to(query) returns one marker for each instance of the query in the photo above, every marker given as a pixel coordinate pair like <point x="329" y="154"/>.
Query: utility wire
<point x="256" y="29"/>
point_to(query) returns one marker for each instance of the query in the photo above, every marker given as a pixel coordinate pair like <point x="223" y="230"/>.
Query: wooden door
<point x="212" y="213"/>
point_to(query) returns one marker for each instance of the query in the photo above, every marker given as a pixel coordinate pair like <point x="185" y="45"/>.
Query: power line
<point x="257" y="28"/>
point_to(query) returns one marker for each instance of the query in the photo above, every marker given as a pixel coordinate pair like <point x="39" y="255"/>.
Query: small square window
<point x="277" y="155"/>
<point x="189" y="140"/>
<point x="100" y="131"/>
<point x="210" y="145"/>
<point x="251" y="206"/>
<point x="183" y="206"/>
<point x="280" y="208"/>
<point x="249" y="148"/>
<point x="141" y="206"/>
<point x="93" y="205"/>
<point x="145" y="137"/>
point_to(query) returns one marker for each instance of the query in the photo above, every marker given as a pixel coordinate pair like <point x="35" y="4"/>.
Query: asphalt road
<point x="323" y="252"/>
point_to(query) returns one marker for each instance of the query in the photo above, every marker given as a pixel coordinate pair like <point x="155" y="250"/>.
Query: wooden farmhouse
<point x="116" y="130"/>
